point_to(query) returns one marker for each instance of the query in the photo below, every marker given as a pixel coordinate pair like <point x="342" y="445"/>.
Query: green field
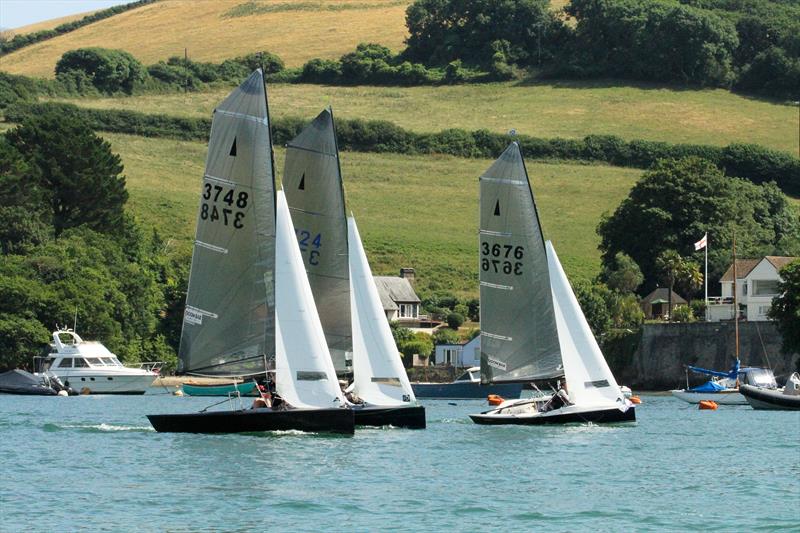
<point x="412" y="211"/>
<point x="561" y="109"/>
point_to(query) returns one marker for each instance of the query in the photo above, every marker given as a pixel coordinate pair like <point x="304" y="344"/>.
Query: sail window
<point x="311" y="376"/>
<point x="233" y="148"/>
<point x="395" y="382"/>
<point x="599" y="384"/>
<point x="497" y="209"/>
<point x="302" y="186"/>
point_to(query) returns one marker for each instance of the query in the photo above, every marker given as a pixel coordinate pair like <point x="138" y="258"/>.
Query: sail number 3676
<point x="501" y="258"/>
<point x="229" y="215"/>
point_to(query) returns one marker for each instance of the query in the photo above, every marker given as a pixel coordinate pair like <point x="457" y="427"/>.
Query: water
<point x="94" y="463"/>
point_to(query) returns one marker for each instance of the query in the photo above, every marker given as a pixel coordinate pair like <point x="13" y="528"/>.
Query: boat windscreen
<point x="761" y="377"/>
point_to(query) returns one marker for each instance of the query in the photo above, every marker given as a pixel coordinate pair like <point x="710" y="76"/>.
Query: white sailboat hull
<point x="527" y="412"/>
<point x="725" y="397"/>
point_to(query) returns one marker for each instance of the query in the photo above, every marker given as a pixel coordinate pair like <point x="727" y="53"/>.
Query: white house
<point x="756" y="286"/>
<point x="398" y="298"/>
<point x="459" y="355"/>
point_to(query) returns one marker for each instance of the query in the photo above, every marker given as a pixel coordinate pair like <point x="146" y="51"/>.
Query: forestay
<point x="519" y="341"/>
<point x="378" y="374"/>
<point x="305" y="376"/>
<point x="228" y="324"/>
<point x="312" y="182"/>
<point x="589" y="379"/>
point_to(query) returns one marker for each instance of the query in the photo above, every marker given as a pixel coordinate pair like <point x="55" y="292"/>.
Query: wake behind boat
<point x="248" y="299"/>
<point x="341" y="280"/>
<point x="532" y="327"/>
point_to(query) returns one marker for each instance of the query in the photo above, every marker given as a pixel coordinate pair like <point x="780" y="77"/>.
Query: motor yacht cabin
<point x="89" y="367"/>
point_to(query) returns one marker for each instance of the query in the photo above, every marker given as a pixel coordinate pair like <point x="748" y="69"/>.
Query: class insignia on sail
<point x="248" y="300"/>
<point x="532" y="327"/>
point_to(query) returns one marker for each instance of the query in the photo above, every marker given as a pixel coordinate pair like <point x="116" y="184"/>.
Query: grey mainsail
<point x="312" y="182"/>
<point x="229" y="321"/>
<point x="519" y="339"/>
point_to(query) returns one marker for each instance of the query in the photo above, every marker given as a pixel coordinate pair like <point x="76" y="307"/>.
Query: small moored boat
<point x="787" y="399"/>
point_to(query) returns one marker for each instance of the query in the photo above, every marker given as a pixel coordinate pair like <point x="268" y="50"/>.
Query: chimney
<point x="407" y="273"/>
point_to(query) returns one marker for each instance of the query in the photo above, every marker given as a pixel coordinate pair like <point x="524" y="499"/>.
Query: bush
<point x="683" y="313"/>
<point x="454" y="320"/>
<point x="110" y="71"/>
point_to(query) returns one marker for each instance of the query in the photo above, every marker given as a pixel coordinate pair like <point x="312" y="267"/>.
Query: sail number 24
<point x="229" y="215"/>
<point x="501" y="258"/>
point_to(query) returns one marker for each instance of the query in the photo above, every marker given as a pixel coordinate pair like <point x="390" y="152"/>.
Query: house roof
<point x="745" y="266"/>
<point x="394" y="290"/>
<point x="662" y="294"/>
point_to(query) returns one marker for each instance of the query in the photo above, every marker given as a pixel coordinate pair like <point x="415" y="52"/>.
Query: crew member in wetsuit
<point x="559" y="399"/>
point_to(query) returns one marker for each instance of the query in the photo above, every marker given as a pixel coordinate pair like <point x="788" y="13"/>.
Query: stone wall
<point x="659" y="362"/>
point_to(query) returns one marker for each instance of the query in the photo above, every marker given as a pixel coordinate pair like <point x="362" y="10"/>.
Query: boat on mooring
<point x="90" y="368"/>
<point x="248" y="300"/>
<point x="785" y="399"/>
<point x="532" y="327"/>
<point x="341" y="281"/>
<point x="724" y="388"/>
<point x="467" y="386"/>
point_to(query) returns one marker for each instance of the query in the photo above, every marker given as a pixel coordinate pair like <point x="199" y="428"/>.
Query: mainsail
<point x="589" y="379"/>
<point x="312" y="183"/>
<point x="519" y="340"/>
<point x="228" y="324"/>
<point x="304" y="373"/>
<point x="378" y="374"/>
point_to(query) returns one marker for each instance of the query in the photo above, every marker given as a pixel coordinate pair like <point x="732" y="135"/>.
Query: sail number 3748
<point x="229" y="215"/>
<point x="501" y="258"/>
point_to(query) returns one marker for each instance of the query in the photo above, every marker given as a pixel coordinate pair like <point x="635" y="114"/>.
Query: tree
<point x="420" y="344"/>
<point x="675" y="270"/>
<point x="785" y="310"/>
<point x="109" y="70"/>
<point x="484" y="32"/>
<point x="677" y="201"/>
<point x="623" y="274"/>
<point x="593" y="302"/>
<point x="81" y="175"/>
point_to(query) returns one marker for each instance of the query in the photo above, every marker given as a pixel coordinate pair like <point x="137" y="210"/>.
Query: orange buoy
<point x="635" y="399"/>
<point x="708" y="404"/>
<point x="494" y="399"/>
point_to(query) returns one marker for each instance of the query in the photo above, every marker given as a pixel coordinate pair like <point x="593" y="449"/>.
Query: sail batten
<point x="229" y="325"/>
<point x="312" y="183"/>
<point x="519" y="340"/>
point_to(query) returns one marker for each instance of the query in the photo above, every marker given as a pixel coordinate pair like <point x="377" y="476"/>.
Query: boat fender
<point x="62" y="393"/>
<point x="635" y="399"/>
<point x="495" y="399"/>
<point x="178" y="392"/>
<point x="85" y="391"/>
<point x="707" y="404"/>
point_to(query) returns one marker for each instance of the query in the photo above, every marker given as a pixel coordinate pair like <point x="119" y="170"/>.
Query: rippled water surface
<point x="94" y="463"/>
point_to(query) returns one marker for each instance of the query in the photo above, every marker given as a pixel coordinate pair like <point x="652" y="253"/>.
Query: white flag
<point x="702" y="243"/>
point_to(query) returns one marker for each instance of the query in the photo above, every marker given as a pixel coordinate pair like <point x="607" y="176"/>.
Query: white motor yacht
<point x="88" y="366"/>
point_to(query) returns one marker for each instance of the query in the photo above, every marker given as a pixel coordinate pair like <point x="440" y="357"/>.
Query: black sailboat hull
<point x="769" y="399"/>
<point x="257" y="420"/>
<point x="411" y="417"/>
<point x="599" y="416"/>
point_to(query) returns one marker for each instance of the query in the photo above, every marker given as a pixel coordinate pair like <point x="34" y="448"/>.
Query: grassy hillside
<point x="572" y="109"/>
<point x="49" y="24"/>
<point x="221" y="29"/>
<point x="412" y="211"/>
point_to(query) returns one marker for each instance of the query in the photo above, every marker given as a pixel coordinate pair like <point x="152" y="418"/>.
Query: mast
<point x="735" y="300"/>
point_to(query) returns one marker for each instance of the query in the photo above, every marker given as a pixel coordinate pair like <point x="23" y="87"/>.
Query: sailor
<point x="559" y="399"/>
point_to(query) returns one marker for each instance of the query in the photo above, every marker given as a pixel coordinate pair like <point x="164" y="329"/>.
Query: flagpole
<point x="705" y="278"/>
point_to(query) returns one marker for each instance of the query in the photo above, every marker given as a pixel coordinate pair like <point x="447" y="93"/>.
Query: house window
<point x="765" y="287"/>
<point x="408" y="310"/>
<point x="744" y="289"/>
<point x="451" y="356"/>
<point x="763" y="310"/>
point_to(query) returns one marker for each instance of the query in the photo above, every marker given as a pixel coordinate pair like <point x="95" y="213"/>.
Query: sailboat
<point x="248" y="300"/>
<point x="532" y="327"/>
<point x="341" y="280"/>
